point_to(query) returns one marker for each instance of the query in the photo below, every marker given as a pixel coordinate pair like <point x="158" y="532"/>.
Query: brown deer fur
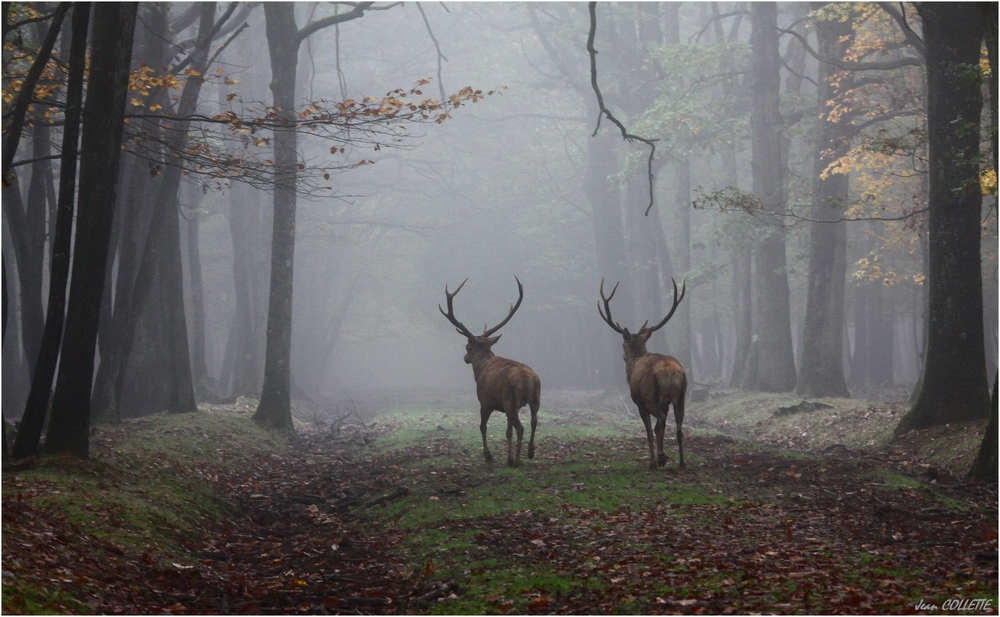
<point x="501" y="384"/>
<point x="656" y="381"/>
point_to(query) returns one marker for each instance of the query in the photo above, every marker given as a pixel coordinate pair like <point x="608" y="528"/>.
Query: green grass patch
<point x="26" y="598"/>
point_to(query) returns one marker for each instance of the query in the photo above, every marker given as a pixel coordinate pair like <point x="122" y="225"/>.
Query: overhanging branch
<point x="606" y="112"/>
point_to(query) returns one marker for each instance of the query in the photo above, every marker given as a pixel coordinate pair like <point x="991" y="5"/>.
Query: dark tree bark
<point x="954" y="385"/>
<point x="821" y="368"/>
<point x="984" y="468"/>
<point x="135" y="207"/>
<point x="161" y="259"/>
<point x="33" y="419"/>
<point x="103" y="116"/>
<point x="775" y="367"/>
<point x="283" y="41"/>
<point x="27" y="91"/>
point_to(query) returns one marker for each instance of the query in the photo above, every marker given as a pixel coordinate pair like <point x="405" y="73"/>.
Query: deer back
<point x="503" y="384"/>
<point x="656" y="380"/>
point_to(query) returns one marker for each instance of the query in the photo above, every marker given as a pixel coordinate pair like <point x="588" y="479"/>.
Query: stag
<point x="656" y="381"/>
<point x="501" y="384"/>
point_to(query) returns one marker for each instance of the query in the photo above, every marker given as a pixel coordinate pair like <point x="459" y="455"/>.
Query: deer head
<point x="479" y="347"/>
<point x="635" y="344"/>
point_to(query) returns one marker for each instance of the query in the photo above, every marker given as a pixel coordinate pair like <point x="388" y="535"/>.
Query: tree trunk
<point x="137" y="211"/>
<point x="103" y="118"/>
<point x="275" y="409"/>
<point x="33" y="419"/>
<point x="821" y="369"/>
<point x="198" y="363"/>
<point x="776" y="362"/>
<point x="984" y="468"/>
<point x="954" y="386"/>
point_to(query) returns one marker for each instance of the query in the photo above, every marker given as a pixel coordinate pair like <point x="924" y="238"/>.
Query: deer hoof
<point x="489" y="457"/>
<point x="531" y="451"/>
<point x="662" y="460"/>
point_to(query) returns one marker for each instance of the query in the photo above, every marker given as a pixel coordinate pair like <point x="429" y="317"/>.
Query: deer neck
<point x="479" y="360"/>
<point x="630" y="361"/>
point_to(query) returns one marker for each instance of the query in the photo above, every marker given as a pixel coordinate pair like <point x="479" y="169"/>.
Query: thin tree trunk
<point x="199" y="366"/>
<point x="33" y="419"/>
<point x="103" y="121"/>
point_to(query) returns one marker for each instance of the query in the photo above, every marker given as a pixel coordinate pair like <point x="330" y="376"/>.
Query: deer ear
<point x="493" y="339"/>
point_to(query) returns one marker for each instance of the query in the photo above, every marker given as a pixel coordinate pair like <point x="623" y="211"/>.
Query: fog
<point x="517" y="184"/>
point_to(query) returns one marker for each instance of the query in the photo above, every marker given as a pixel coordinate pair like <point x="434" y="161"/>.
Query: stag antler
<point x="606" y="314"/>
<point x="672" y="308"/>
<point x="450" y="315"/>
<point x="513" y="309"/>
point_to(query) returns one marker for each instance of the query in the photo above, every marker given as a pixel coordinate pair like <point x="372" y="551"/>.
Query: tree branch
<point x="887" y="65"/>
<point x="604" y="110"/>
<point x="436" y="46"/>
<point x="27" y="91"/>
<point x="358" y="10"/>
<point x="900" y="17"/>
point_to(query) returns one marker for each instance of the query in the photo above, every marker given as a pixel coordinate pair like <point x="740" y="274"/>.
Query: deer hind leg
<point x="661" y="424"/>
<point x="513" y="422"/>
<point x="534" y="423"/>
<point x="679" y="418"/>
<point x="649" y="437"/>
<point x="484" y="415"/>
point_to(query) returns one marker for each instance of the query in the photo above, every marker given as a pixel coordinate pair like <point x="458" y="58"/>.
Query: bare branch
<point x="606" y="112"/>
<point x="436" y="46"/>
<point x="358" y="10"/>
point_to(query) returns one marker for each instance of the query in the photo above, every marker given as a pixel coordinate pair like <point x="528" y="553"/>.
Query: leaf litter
<point x="324" y="527"/>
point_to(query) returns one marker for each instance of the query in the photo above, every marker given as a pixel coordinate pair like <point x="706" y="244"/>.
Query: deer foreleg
<point x="661" y="424"/>
<point x="484" y="415"/>
<point x="649" y="437"/>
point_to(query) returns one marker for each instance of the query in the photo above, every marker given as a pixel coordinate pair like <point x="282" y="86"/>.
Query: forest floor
<point x="784" y="507"/>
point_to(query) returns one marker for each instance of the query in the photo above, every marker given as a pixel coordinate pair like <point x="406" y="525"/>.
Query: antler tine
<point x="513" y="309"/>
<point x="450" y="315"/>
<point x="672" y="308"/>
<point x="606" y="314"/>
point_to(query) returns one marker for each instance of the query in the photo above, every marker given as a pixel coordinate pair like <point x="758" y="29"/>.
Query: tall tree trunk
<point x="33" y="419"/>
<point x="954" y="386"/>
<point x="821" y="369"/>
<point x="137" y="211"/>
<point x="198" y="362"/>
<point x="681" y="335"/>
<point x="275" y="409"/>
<point x="776" y="364"/>
<point x="103" y="119"/>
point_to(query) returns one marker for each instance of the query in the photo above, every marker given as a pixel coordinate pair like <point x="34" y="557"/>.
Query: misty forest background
<point x="791" y="194"/>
